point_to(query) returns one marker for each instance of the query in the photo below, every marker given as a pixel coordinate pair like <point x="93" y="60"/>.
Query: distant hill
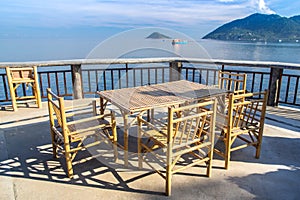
<point x="259" y="28"/>
<point x="296" y="18"/>
<point x="157" y="35"/>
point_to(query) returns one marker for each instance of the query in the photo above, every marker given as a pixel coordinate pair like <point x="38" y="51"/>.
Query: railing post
<point x="175" y="71"/>
<point x="274" y="86"/>
<point x="77" y="81"/>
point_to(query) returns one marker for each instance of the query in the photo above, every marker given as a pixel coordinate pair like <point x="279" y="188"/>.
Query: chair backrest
<point x="247" y="110"/>
<point x="233" y="82"/>
<point x="192" y="123"/>
<point x="23" y="74"/>
<point x="57" y="113"/>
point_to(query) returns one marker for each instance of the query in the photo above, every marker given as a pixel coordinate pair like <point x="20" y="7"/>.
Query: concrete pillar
<point x="274" y="86"/>
<point x="175" y="71"/>
<point x="77" y="81"/>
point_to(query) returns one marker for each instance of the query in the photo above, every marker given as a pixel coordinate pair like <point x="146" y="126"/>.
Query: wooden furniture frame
<point x="190" y="130"/>
<point x="138" y="100"/>
<point x="69" y="135"/>
<point x="233" y="82"/>
<point x="244" y="122"/>
<point x="26" y="75"/>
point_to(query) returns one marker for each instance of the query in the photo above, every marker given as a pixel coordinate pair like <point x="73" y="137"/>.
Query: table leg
<point x="150" y="115"/>
<point x="221" y="104"/>
<point x="125" y="117"/>
<point x="101" y="106"/>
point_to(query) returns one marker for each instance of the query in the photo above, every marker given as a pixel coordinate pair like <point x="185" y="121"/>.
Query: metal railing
<point x="81" y="78"/>
<point x="289" y="92"/>
<point x="122" y="77"/>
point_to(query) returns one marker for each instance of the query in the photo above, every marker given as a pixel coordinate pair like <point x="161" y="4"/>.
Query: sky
<point x="85" y="18"/>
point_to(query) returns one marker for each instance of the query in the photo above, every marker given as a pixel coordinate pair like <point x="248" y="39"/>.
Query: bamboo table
<point x="141" y="99"/>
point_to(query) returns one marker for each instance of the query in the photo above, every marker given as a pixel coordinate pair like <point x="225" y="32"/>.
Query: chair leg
<point x="69" y="166"/>
<point x="14" y="102"/>
<point x="209" y="163"/>
<point x="54" y="151"/>
<point x="11" y="89"/>
<point x="38" y="96"/>
<point x="13" y="97"/>
<point x="168" y="180"/>
<point x="36" y="88"/>
<point x="54" y="147"/>
<point x="227" y="151"/>
<point x="68" y="161"/>
<point x="140" y="144"/>
<point x="258" y="147"/>
<point x="169" y="170"/>
<point x="140" y="152"/>
<point x="115" y="142"/>
<point x="257" y="154"/>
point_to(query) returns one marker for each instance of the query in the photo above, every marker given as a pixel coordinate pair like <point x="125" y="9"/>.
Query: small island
<point x="259" y="28"/>
<point x="157" y="35"/>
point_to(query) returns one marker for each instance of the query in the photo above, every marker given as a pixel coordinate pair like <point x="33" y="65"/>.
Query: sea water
<point x="43" y="49"/>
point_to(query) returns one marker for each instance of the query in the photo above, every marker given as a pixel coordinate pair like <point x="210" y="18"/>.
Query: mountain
<point x="259" y="28"/>
<point x="157" y="35"/>
<point x="296" y="18"/>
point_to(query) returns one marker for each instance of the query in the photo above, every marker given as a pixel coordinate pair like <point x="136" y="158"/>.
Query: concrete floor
<point x="28" y="170"/>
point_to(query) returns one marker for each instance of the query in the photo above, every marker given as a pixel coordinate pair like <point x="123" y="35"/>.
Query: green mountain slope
<point x="259" y="27"/>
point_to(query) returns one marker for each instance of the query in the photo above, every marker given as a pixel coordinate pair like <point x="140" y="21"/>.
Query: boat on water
<point x="179" y="41"/>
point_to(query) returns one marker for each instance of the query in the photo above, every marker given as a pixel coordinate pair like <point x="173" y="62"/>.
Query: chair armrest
<point x="70" y="108"/>
<point x="88" y="119"/>
<point x="81" y="109"/>
<point x="89" y="127"/>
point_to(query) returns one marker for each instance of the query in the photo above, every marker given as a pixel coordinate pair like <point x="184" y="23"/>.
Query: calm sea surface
<point x="21" y="50"/>
<point x="12" y="50"/>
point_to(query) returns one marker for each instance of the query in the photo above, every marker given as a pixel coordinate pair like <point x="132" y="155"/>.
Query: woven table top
<point x="158" y="95"/>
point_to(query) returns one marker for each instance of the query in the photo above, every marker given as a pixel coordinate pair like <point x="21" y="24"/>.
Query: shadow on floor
<point x="275" y="151"/>
<point x="29" y="155"/>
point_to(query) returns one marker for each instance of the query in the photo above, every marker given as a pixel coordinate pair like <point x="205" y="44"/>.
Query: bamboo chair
<point x="190" y="131"/>
<point x="244" y="121"/>
<point x="29" y="77"/>
<point x="233" y="82"/>
<point x="71" y="136"/>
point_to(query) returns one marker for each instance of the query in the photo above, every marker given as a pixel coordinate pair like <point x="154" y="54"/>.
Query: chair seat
<point x="240" y="130"/>
<point x="23" y="80"/>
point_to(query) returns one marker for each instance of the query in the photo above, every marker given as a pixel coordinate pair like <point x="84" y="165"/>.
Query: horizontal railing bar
<point x="263" y="64"/>
<point x="55" y="71"/>
<point x="289" y="103"/>
<point x="122" y="69"/>
<point x="47" y="72"/>
<point x="291" y="75"/>
<point x="246" y="71"/>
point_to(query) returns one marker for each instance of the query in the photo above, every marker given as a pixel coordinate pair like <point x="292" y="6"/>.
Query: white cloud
<point x="262" y="7"/>
<point x="125" y="12"/>
<point x="161" y="12"/>
<point x="226" y="1"/>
